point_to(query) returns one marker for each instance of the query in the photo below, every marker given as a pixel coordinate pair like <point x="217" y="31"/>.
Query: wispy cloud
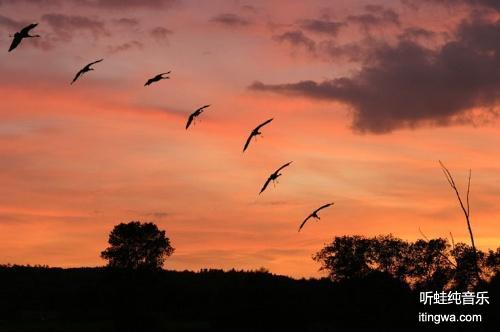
<point x="64" y="26"/>
<point x="231" y="20"/>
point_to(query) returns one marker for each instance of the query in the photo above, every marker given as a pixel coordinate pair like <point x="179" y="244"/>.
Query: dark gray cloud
<point x="127" y="4"/>
<point x="296" y="38"/>
<point x="40" y="3"/>
<point x="9" y="24"/>
<point x="415" y="33"/>
<point x="160" y="34"/>
<point x="250" y="9"/>
<point x="375" y="16"/>
<point x="321" y="26"/>
<point x="134" y="44"/>
<point x="407" y="84"/>
<point x="352" y="52"/>
<point x="229" y="19"/>
<point x="127" y="22"/>
<point x="492" y="4"/>
<point x="65" y="26"/>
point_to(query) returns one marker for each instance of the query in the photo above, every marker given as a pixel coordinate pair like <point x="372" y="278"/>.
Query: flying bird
<point x="195" y="114"/>
<point x="24" y="33"/>
<point x="157" y="78"/>
<point x="85" y="69"/>
<point x="314" y="214"/>
<point x="274" y="177"/>
<point x="255" y="133"/>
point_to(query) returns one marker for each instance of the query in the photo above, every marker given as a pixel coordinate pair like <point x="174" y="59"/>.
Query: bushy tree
<point x="424" y="264"/>
<point x="137" y="245"/>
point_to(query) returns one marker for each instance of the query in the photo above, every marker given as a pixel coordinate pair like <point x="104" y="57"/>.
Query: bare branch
<point x="468" y="191"/>
<point x="423" y="235"/>
<point x="465" y="210"/>
<point x="440" y="253"/>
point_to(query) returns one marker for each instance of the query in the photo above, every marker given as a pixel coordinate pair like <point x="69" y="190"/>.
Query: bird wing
<point x="286" y="165"/>
<point x="248" y="141"/>
<point x="87" y="67"/>
<point x="265" y="185"/>
<point x="322" y="207"/>
<point x="148" y="82"/>
<point x="190" y="119"/>
<point x="160" y="75"/>
<point x="304" y="222"/>
<point x="15" y="42"/>
<point x="263" y="124"/>
<point x="90" y="64"/>
<point x="27" y="29"/>
<point x="203" y="107"/>
<point x="77" y="76"/>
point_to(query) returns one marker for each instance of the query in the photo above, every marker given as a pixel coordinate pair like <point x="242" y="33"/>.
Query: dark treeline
<point x="106" y="299"/>
<point x="373" y="284"/>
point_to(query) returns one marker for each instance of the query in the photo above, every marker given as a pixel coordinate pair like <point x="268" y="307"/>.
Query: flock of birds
<point x="25" y="33"/>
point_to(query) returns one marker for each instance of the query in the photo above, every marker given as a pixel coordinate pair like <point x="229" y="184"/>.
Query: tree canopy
<point x="137" y="245"/>
<point x="430" y="263"/>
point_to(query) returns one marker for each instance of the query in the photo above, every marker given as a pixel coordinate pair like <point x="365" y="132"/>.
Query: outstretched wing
<point x="93" y="63"/>
<point x="27" y="29"/>
<point x="15" y="42"/>
<point x="263" y="124"/>
<point x="304" y="222"/>
<point x="286" y="165"/>
<point x="148" y="82"/>
<point x="190" y="119"/>
<point x="202" y="108"/>
<point x="322" y="207"/>
<point x="77" y="76"/>
<point x="265" y="185"/>
<point x="248" y="141"/>
<point x="87" y="67"/>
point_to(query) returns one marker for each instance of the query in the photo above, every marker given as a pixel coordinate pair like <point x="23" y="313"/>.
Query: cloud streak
<point x="64" y="26"/>
<point x="296" y="38"/>
<point x="230" y="20"/>
<point x="322" y="27"/>
<point x="127" y="4"/>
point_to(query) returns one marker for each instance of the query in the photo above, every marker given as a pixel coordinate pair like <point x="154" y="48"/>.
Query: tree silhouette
<point x="137" y="245"/>
<point x="423" y="264"/>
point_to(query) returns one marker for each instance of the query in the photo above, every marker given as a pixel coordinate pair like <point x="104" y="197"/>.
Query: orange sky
<point x="76" y="160"/>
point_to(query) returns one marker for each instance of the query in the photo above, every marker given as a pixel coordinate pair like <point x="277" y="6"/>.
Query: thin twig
<point x="465" y="210"/>
<point x="423" y="235"/>
<point x="443" y="255"/>
<point x="468" y="191"/>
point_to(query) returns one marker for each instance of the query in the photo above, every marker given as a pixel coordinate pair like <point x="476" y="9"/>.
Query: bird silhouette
<point x="255" y="133"/>
<point x="195" y="114"/>
<point x="157" y="78"/>
<point x="85" y="69"/>
<point x="314" y="214"/>
<point x="24" y="33"/>
<point x="274" y="177"/>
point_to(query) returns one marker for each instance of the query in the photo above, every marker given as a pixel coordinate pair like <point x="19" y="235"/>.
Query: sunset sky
<point x="366" y="97"/>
